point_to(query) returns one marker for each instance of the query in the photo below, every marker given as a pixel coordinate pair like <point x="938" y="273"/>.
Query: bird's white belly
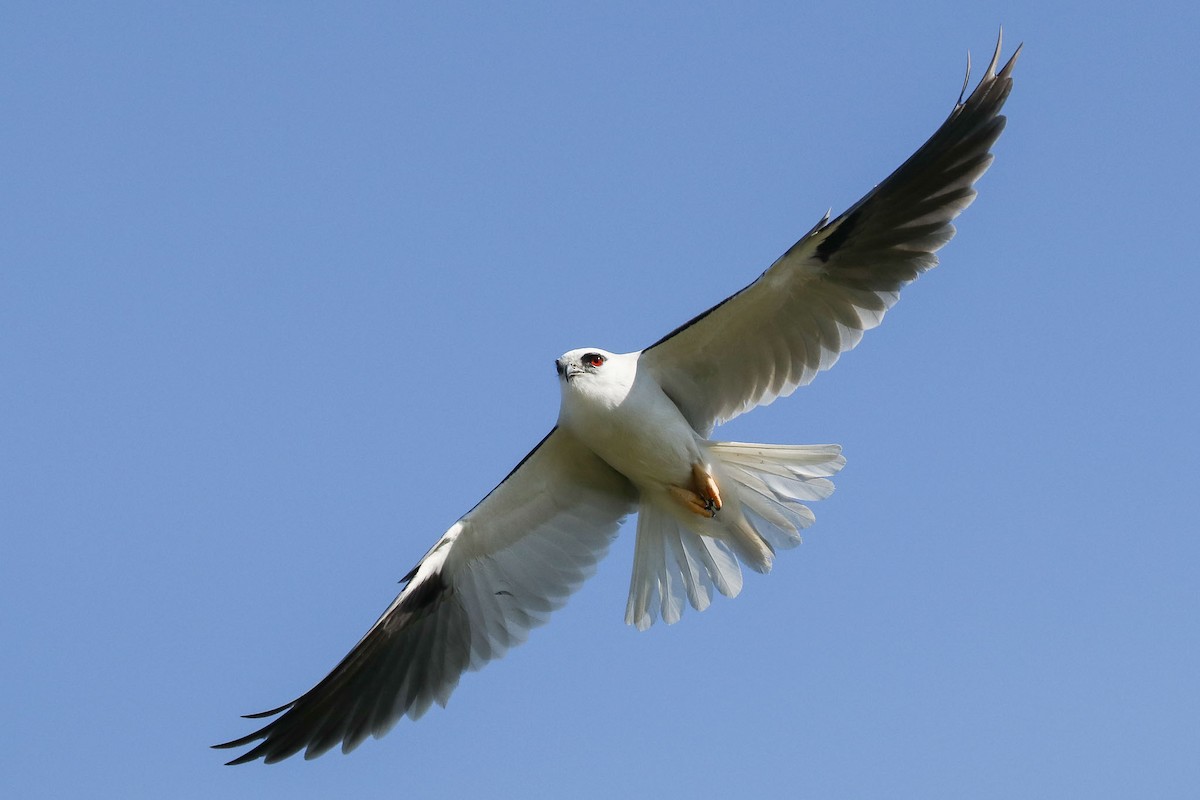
<point x="649" y="454"/>
<point x="644" y="437"/>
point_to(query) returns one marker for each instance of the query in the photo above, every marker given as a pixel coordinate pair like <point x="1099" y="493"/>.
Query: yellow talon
<point x="705" y="498"/>
<point x="706" y="487"/>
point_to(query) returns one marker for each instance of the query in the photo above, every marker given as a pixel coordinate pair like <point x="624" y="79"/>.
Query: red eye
<point x="593" y="359"/>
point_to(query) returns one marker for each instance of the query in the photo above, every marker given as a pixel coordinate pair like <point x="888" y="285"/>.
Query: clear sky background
<point x="280" y="290"/>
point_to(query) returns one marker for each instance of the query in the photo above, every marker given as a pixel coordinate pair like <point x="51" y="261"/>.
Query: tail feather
<point x="696" y="582"/>
<point x="682" y="556"/>
<point x="771" y="481"/>
<point x="671" y="564"/>
<point x="655" y="585"/>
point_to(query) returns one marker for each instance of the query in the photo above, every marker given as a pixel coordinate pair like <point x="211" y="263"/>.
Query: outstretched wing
<point x="498" y="572"/>
<point x="814" y="303"/>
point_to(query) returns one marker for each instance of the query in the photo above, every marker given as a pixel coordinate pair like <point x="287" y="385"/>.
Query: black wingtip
<point x="962" y="93"/>
<point x="250" y="755"/>
<point x="271" y="713"/>
<point x="990" y="73"/>
<point x="232" y="743"/>
<point x="242" y="759"/>
<point x="254" y="754"/>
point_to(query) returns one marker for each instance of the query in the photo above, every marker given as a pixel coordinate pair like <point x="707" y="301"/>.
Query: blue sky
<point x="281" y="286"/>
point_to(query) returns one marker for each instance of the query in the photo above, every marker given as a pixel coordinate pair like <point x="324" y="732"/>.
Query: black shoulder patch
<point x="834" y="241"/>
<point x="424" y="594"/>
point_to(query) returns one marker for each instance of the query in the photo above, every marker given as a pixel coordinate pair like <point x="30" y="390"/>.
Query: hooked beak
<point x="566" y="371"/>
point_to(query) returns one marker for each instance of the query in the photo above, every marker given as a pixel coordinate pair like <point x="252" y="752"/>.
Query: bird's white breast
<point x="624" y="416"/>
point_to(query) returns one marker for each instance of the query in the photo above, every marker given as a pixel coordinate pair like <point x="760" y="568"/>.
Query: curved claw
<point x="704" y="498"/>
<point x="706" y="488"/>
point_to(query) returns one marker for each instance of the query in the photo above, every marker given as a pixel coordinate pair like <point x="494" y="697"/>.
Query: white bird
<point x="632" y="435"/>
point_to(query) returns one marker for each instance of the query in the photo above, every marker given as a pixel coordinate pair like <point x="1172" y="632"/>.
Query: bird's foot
<point x="705" y="498"/>
<point x="706" y="487"/>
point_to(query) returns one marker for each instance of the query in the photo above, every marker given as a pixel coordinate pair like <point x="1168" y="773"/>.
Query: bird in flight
<point x="633" y="436"/>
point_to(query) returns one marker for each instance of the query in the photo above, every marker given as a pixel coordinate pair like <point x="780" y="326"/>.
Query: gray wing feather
<point x="816" y="300"/>
<point x="496" y="574"/>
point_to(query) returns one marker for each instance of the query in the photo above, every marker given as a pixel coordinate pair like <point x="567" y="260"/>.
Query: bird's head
<point x="592" y="377"/>
<point x="586" y="363"/>
<point x="596" y="372"/>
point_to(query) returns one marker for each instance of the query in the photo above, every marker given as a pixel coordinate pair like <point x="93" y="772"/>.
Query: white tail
<point x="682" y="555"/>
